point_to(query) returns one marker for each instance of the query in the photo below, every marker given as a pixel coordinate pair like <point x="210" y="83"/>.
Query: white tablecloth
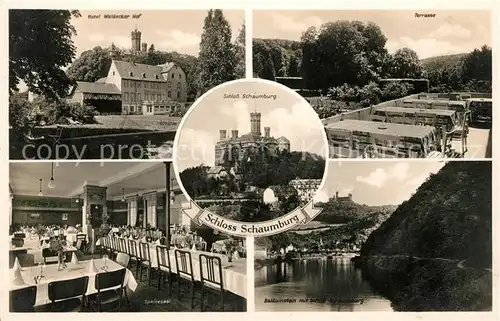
<point x="72" y="271"/>
<point x="234" y="274"/>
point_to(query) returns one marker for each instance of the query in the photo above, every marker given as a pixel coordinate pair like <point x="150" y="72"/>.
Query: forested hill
<point x="442" y="62"/>
<point x="448" y="217"/>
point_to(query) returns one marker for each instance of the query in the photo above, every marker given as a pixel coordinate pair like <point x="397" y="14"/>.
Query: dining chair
<point x="211" y="277"/>
<point x="68" y="295"/>
<point x="144" y="260"/>
<point x="81" y="242"/>
<point x="134" y="254"/>
<point x="184" y="267"/>
<point x="48" y="255"/>
<point x="123" y="245"/>
<point x="123" y="259"/>
<point x="203" y="246"/>
<point x="110" y="288"/>
<point x="164" y="267"/>
<point x="23" y="300"/>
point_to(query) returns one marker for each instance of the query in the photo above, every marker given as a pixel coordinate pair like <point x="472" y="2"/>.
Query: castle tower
<point x="144" y="47"/>
<point x="255" y="124"/>
<point x="267" y="132"/>
<point x="136" y="40"/>
<point x="223" y="134"/>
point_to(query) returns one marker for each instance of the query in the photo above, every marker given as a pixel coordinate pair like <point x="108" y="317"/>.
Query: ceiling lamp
<point x="77" y="199"/>
<point x="52" y="182"/>
<point x="40" y="193"/>
<point x="123" y="195"/>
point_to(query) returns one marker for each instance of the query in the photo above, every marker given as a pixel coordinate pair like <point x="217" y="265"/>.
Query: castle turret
<point x="144" y="47"/>
<point x="267" y="132"/>
<point x="136" y="40"/>
<point x="234" y="134"/>
<point x="255" y="124"/>
<point x="350" y="196"/>
<point x="223" y="134"/>
<point x="336" y="195"/>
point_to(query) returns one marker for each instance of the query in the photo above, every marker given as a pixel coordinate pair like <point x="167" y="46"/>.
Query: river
<point x="324" y="285"/>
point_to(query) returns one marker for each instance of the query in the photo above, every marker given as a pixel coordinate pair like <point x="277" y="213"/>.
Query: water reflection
<point x="326" y="284"/>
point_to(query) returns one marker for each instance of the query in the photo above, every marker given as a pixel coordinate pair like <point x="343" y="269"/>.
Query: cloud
<point x="321" y="196"/>
<point x="286" y="23"/>
<point x="379" y="177"/>
<point x="177" y="40"/>
<point x="194" y="148"/>
<point x="453" y="31"/>
<point x="103" y="40"/>
<point x="428" y="47"/>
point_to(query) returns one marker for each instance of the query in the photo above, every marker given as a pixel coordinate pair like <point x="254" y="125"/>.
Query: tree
<point x="240" y="54"/>
<point x="406" y="64"/>
<point x="40" y="45"/>
<point x="90" y="66"/>
<point x="216" y="61"/>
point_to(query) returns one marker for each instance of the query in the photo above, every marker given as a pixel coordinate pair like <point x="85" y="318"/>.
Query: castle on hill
<point x="234" y="147"/>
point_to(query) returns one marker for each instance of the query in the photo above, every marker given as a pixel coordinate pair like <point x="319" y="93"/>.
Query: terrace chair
<point x="211" y="277"/>
<point x="164" y="267"/>
<point x="134" y="254"/>
<point x="22" y="300"/>
<point x="68" y="295"/>
<point x="184" y="266"/>
<point x="109" y="286"/>
<point x="144" y="260"/>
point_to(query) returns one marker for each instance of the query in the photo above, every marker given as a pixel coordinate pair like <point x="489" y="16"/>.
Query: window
<point x="138" y="85"/>
<point x="156" y="76"/>
<point x="113" y="73"/>
<point x="139" y="97"/>
<point x="150" y="109"/>
<point x="125" y="97"/>
<point x="158" y="97"/>
<point x="131" y="74"/>
<point x="169" y="84"/>
<point x="143" y="75"/>
<point x="180" y="76"/>
<point x="131" y="109"/>
<point x="173" y="76"/>
<point x="132" y="97"/>
<point x="178" y="85"/>
<point x="178" y="94"/>
<point x="169" y="94"/>
<point x="139" y="109"/>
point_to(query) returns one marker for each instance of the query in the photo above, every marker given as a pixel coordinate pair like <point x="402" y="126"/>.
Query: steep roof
<point x="167" y="66"/>
<point x="130" y="70"/>
<point x="96" y="88"/>
<point x="101" y="80"/>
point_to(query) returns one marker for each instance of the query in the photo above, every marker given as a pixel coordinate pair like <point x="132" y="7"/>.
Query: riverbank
<point x="428" y="284"/>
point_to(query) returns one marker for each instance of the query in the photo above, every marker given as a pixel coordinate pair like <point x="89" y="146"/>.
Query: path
<point x="460" y="263"/>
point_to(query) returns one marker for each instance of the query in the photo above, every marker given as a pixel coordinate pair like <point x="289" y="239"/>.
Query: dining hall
<point x="112" y="237"/>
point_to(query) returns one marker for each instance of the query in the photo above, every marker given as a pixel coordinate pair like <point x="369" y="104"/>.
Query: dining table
<point x="30" y="276"/>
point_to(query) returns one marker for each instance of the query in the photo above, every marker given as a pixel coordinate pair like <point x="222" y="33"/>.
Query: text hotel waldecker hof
<point x="300" y="215"/>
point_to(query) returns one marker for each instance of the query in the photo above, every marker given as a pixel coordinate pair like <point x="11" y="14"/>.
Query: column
<point x="150" y="208"/>
<point x="92" y="195"/>
<point x="132" y="204"/>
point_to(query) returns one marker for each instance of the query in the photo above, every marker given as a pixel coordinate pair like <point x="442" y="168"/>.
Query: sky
<point x="450" y="32"/>
<point x="172" y="30"/>
<point x="289" y="115"/>
<point x="376" y="182"/>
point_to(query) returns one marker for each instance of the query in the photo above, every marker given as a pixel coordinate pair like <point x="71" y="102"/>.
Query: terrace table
<point x="72" y="271"/>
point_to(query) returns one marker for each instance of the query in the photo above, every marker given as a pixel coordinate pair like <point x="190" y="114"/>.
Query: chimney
<point x="144" y="47"/>
<point x="234" y="134"/>
<point x="267" y="132"/>
<point x="222" y="134"/>
<point x="336" y="195"/>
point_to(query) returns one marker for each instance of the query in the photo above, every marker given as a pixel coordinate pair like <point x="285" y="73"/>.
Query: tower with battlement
<point x="136" y="40"/>
<point x="255" y="123"/>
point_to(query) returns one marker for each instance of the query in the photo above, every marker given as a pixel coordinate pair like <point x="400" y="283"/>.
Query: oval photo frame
<point x="301" y="214"/>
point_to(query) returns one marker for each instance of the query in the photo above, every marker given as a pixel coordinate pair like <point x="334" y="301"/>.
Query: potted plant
<point x="231" y="245"/>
